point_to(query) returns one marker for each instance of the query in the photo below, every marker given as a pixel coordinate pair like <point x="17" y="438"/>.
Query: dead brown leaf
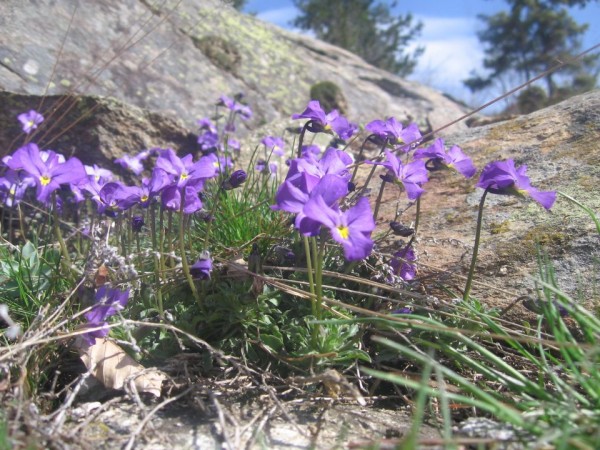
<point x="113" y="367"/>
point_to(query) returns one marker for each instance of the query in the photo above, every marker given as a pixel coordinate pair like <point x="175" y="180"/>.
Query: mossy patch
<point x="552" y="240"/>
<point x="330" y="96"/>
<point x="499" y="227"/>
<point x="221" y="52"/>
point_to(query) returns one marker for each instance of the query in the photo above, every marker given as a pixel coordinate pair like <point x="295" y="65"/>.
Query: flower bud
<point x="236" y="179"/>
<point x="137" y="223"/>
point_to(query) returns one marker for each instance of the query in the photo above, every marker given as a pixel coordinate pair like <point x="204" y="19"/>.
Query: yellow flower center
<point x="144" y="198"/>
<point x="45" y="180"/>
<point x="183" y="176"/>
<point x="30" y="124"/>
<point x="344" y="231"/>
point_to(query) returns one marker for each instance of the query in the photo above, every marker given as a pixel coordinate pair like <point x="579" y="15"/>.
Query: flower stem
<point x="184" y="262"/>
<point x="59" y="238"/>
<point x="373" y="169"/>
<point x="157" y="276"/>
<point x="309" y="271"/>
<point x="418" y="215"/>
<point x="475" y="247"/>
<point x="217" y="199"/>
<point x="317" y="255"/>
<point x="301" y="138"/>
<point x="378" y="202"/>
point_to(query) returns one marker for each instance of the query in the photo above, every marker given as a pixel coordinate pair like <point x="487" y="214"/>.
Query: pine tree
<point x="367" y="29"/>
<point x="530" y="38"/>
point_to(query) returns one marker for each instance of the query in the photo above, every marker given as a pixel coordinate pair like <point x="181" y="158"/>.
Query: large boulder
<point x="561" y="147"/>
<point x="179" y="57"/>
<point x="95" y="129"/>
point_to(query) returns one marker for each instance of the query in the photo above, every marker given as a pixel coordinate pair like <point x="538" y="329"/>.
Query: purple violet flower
<point x="171" y="199"/>
<point x="351" y="228"/>
<point x="13" y="186"/>
<point x="108" y="302"/>
<point x="244" y="111"/>
<point x="116" y="197"/>
<point x="391" y="132"/>
<point x="312" y="150"/>
<point x="411" y="175"/>
<point x="206" y="124"/>
<point x="402" y="263"/>
<point x="133" y="163"/>
<point x="202" y="268"/>
<point x="274" y="143"/>
<point x="208" y="141"/>
<point x="184" y="171"/>
<point x="264" y="168"/>
<point x="296" y="191"/>
<point x="501" y="177"/>
<point x="438" y="158"/>
<point x="49" y="172"/>
<point x="321" y="122"/>
<point x="30" y="120"/>
<point x="98" y="173"/>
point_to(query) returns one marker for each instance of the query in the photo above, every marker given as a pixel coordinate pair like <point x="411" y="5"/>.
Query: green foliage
<point x="29" y="279"/>
<point x="557" y="400"/>
<point x="529" y="39"/>
<point x="330" y="96"/>
<point x="532" y="99"/>
<point x="365" y="28"/>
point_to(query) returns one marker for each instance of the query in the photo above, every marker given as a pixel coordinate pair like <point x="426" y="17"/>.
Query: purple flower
<point x="183" y="170"/>
<point x="274" y="143"/>
<point x="402" y="263"/>
<point x="150" y="188"/>
<point x="233" y="144"/>
<point x="438" y="158"/>
<point x="321" y="122"/>
<point x="391" y="132"/>
<point x="223" y="164"/>
<point x="13" y="186"/>
<point x="235" y="180"/>
<point x="264" y="168"/>
<point x="49" y="172"/>
<point x="209" y="141"/>
<point x="312" y="150"/>
<point x="501" y="177"/>
<point x="133" y="163"/>
<point x="98" y="173"/>
<point x="206" y="124"/>
<point x="171" y="199"/>
<point x="296" y="191"/>
<point x="116" y="197"/>
<point x="351" y="228"/>
<point x="108" y="302"/>
<point x="333" y="161"/>
<point x="244" y="111"/>
<point x="202" y="268"/>
<point x="411" y="175"/>
<point x="30" y="120"/>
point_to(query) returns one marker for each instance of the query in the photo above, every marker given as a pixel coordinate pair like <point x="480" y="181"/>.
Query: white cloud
<point x="452" y="51"/>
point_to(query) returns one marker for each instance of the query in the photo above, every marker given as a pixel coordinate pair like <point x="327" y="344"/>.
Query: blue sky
<point x="449" y="36"/>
